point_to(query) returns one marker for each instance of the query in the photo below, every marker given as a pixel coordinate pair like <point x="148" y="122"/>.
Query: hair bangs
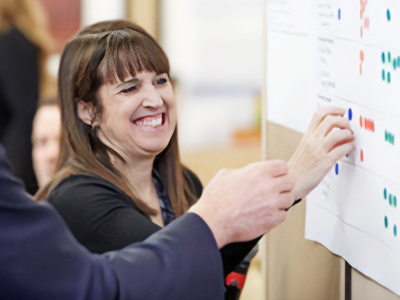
<point x="129" y="52"/>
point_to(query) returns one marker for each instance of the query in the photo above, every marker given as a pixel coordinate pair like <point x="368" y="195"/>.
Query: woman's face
<point x="139" y="115"/>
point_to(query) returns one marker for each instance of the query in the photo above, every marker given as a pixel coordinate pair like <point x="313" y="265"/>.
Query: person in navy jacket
<point x="40" y="259"/>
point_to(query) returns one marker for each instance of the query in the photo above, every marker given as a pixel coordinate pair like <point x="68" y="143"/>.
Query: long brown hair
<point x="28" y="16"/>
<point x="124" y="49"/>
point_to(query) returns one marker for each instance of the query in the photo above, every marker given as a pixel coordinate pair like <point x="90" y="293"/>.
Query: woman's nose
<point x="152" y="98"/>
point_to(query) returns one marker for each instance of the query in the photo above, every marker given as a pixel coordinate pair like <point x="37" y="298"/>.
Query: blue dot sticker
<point x="389" y="57"/>
<point x="350" y="114"/>
<point x="385" y="194"/>
<point x="390" y="199"/>
<point x="337" y="169"/>
<point x="383" y="75"/>
<point x="388" y="77"/>
<point x="383" y="57"/>
<point x="395" y="230"/>
<point x="386" y="222"/>
<point x="395" y="201"/>
<point x="339" y="14"/>
<point x="388" y="15"/>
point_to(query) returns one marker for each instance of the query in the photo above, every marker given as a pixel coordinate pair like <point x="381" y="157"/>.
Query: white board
<point x="345" y="53"/>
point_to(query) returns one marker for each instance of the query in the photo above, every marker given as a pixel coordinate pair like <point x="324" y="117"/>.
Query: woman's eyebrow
<point x="128" y="80"/>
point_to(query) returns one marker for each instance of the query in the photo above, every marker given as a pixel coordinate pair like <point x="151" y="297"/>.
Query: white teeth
<point x="153" y="123"/>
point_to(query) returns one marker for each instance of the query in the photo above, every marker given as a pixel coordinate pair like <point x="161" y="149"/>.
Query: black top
<point x="103" y="218"/>
<point x="19" y="94"/>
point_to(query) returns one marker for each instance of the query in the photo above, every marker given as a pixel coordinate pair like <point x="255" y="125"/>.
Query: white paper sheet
<point x="290" y="64"/>
<point x="348" y="55"/>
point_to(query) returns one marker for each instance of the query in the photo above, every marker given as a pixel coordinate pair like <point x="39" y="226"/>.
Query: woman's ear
<point x="86" y="112"/>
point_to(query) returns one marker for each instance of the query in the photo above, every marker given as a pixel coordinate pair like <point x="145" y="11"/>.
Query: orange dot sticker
<point x="362" y="155"/>
<point x="366" y="23"/>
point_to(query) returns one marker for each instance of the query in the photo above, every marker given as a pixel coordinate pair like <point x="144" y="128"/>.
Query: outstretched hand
<point x="240" y="205"/>
<point x="328" y="138"/>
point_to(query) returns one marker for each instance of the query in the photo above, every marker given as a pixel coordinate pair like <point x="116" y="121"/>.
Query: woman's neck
<point x="137" y="170"/>
<point x="138" y="173"/>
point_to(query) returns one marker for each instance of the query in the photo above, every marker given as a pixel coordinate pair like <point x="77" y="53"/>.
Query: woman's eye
<point x="162" y="81"/>
<point x="132" y="88"/>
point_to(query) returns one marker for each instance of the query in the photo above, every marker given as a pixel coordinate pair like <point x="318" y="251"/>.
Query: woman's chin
<point x="154" y="149"/>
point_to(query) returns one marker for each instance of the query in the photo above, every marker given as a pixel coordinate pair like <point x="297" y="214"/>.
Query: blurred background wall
<point x="215" y="50"/>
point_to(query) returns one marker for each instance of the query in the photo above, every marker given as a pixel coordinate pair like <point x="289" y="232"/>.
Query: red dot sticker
<point x="361" y="121"/>
<point x="362" y="155"/>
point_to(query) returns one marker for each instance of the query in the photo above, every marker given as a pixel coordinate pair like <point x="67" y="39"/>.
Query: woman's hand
<point x="328" y="138"/>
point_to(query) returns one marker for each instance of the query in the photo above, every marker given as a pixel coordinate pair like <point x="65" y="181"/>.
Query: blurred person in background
<point x="46" y="134"/>
<point x="25" y="44"/>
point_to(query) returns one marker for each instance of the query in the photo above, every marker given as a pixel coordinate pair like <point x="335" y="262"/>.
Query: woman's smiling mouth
<point x="151" y="121"/>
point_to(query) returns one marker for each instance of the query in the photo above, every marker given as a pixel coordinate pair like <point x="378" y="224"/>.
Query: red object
<point x="362" y="155"/>
<point x="361" y="121"/>
<point x="369" y="125"/>
<point x="366" y="23"/>
<point x="64" y="18"/>
<point x="236" y="279"/>
<point x="362" y="56"/>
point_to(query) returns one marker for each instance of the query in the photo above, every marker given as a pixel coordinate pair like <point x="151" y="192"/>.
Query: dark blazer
<point x="19" y="94"/>
<point x="40" y="259"/>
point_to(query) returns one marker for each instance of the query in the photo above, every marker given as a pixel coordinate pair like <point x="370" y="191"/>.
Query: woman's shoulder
<point x="82" y="190"/>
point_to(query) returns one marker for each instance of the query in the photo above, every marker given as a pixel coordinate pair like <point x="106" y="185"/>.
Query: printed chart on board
<point x="345" y="53"/>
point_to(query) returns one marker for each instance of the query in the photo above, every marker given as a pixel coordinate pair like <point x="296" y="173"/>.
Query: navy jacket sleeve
<point x="40" y="259"/>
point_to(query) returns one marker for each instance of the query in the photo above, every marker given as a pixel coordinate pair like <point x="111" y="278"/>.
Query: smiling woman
<point x="120" y="178"/>
<point x="112" y="79"/>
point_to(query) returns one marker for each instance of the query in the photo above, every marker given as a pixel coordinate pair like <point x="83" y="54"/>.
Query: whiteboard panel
<point x="345" y="53"/>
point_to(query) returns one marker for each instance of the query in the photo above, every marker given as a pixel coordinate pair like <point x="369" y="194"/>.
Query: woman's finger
<point x="331" y="122"/>
<point x="337" y="138"/>
<point x="340" y="151"/>
<point x="321" y="114"/>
